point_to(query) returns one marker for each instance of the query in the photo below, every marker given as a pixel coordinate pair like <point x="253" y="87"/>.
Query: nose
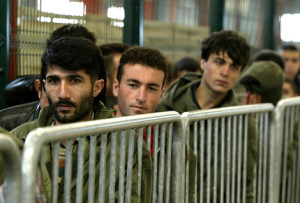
<point x="141" y="94"/>
<point x="63" y="91"/>
<point x="225" y="70"/>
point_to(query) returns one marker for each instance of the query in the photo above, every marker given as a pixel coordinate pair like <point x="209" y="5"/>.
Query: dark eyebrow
<point x="153" y="84"/>
<point x="220" y="58"/>
<point x="69" y="76"/>
<point x="138" y="82"/>
<point x="133" y="80"/>
<point x="51" y="76"/>
<point x="75" y="76"/>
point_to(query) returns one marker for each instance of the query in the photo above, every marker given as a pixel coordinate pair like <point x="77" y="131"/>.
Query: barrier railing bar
<point x="140" y="141"/>
<point x="216" y="145"/>
<point x="55" y="185"/>
<point x="246" y="122"/>
<point x="112" y="168"/>
<point x="12" y="163"/>
<point x="161" y="163"/>
<point x="79" y="184"/>
<point x="122" y="166"/>
<point x="129" y="165"/>
<point x="68" y="171"/>
<point x="102" y="167"/>
<point x="222" y="158"/>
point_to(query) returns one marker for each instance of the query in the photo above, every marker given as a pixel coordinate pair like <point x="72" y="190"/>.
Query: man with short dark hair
<point x="289" y="88"/>
<point x="111" y="53"/>
<point x="224" y="55"/>
<point x="140" y="80"/>
<point x="71" y="30"/>
<point x="12" y="117"/>
<point x="184" y="65"/>
<point x="291" y="57"/>
<point x="73" y="77"/>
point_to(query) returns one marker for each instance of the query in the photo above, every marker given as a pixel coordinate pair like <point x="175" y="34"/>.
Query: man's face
<point x="287" y="90"/>
<point x="71" y="94"/>
<point x="139" y="91"/>
<point x="291" y="63"/>
<point x="219" y="73"/>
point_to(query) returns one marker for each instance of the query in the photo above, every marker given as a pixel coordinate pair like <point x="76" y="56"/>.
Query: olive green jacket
<point x="19" y="144"/>
<point x="100" y="112"/>
<point x="178" y="97"/>
<point x="266" y="78"/>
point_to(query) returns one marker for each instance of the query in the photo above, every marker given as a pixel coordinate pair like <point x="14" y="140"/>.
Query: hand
<point x="251" y="98"/>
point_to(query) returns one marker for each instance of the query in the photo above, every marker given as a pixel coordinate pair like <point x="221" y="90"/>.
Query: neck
<point x="207" y="98"/>
<point x="118" y="114"/>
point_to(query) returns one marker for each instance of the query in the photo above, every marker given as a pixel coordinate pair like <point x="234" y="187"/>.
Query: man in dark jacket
<point x="12" y="117"/>
<point x="73" y="76"/>
<point x="224" y="55"/>
<point x="291" y="57"/>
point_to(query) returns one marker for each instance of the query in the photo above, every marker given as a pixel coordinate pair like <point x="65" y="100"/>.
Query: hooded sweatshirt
<point x="179" y="96"/>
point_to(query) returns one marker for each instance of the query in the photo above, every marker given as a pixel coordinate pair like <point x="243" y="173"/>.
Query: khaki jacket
<point x="100" y="112"/>
<point x="178" y="97"/>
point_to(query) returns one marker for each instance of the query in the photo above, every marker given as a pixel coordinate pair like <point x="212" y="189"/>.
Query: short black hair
<point x="108" y="50"/>
<point x="230" y="42"/>
<point x="113" y="48"/>
<point x="144" y="56"/>
<point x="292" y="83"/>
<point x="74" y="54"/>
<point x="71" y="30"/>
<point x="269" y="55"/>
<point x="287" y="47"/>
<point x="187" y="64"/>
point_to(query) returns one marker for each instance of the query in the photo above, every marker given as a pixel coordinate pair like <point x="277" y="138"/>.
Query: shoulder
<point x="22" y="131"/>
<point x="102" y="112"/>
<point x="178" y="96"/>
<point x="45" y="119"/>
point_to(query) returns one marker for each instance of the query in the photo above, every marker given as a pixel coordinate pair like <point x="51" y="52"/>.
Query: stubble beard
<point x="83" y="108"/>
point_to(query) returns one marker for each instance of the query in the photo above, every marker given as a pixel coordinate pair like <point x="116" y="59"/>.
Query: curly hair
<point x="228" y="42"/>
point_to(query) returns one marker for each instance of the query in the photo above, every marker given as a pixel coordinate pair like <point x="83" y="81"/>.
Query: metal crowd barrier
<point x="219" y="139"/>
<point x="164" y="129"/>
<point x="288" y="125"/>
<point x="12" y="164"/>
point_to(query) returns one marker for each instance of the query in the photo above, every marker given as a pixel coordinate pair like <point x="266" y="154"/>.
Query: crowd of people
<point x="80" y="81"/>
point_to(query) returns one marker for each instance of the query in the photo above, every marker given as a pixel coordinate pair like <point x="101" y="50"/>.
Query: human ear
<point x="202" y="64"/>
<point x="115" y="87"/>
<point x="162" y="92"/>
<point x="38" y="87"/>
<point x="98" y="86"/>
